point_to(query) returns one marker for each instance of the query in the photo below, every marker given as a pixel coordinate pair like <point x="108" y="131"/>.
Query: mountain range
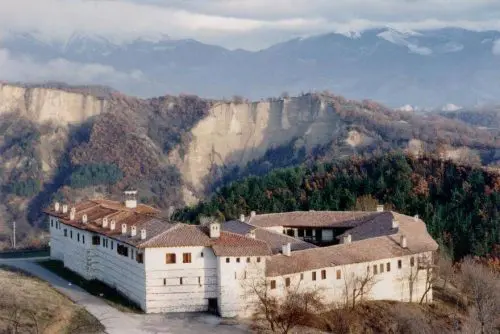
<point x="426" y="69"/>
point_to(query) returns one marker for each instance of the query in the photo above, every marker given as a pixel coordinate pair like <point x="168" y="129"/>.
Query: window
<point x="313" y="275"/>
<point x="186" y="258"/>
<point x="375" y="269"/>
<point x="273" y="284"/>
<point x="309" y="233"/>
<point x="258" y="259"/>
<point x="199" y="280"/>
<point x="381" y="268"/>
<point x="78" y="237"/>
<point x="164" y="281"/>
<point x="301" y="276"/>
<point x="301" y="232"/>
<point x="227" y="260"/>
<point x="287" y="281"/>
<point x="122" y="250"/>
<point x="412" y="261"/>
<point x="201" y="255"/>
<point x="139" y="257"/>
<point x="248" y="260"/>
<point x="83" y="238"/>
<point x="180" y="280"/>
<point x="170" y="258"/>
<point x="237" y="260"/>
<point x="96" y="240"/>
<point x="339" y="274"/>
<point x="71" y="234"/>
<point x="323" y="274"/>
<point x="388" y="267"/>
<point x="65" y="232"/>
<point x="400" y="264"/>
<point x="51" y="223"/>
<point x="111" y="244"/>
<point x="131" y="253"/>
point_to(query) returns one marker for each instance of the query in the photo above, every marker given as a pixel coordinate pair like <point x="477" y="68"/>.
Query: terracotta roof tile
<point x="371" y="249"/>
<point x="312" y="219"/>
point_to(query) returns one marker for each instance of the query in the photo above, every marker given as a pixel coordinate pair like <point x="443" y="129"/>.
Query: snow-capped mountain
<point x="424" y="68"/>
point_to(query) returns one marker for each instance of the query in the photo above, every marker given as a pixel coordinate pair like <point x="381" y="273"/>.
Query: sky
<point x="248" y="24"/>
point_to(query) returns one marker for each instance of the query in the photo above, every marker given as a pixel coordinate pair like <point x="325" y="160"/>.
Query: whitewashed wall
<point x="165" y="293"/>
<point x="386" y="285"/>
<point x="234" y="281"/>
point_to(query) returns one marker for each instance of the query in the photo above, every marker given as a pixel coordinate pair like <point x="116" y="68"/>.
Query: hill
<point x="460" y="204"/>
<point x="28" y="305"/>
<point x="68" y="143"/>
<point x="424" y="68"/>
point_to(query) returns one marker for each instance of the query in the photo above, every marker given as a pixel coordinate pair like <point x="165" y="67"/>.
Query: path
<point x="119" y="322"/>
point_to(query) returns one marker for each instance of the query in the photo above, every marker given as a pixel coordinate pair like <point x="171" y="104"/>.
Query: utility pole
<point x="14" y="235"/>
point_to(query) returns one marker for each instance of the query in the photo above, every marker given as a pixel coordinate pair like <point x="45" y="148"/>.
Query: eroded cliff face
<point x="234" y="134"/>
<point x="46" y="104"/>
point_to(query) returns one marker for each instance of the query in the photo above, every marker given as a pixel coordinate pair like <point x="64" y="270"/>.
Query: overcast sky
<point x="249" y="24"/>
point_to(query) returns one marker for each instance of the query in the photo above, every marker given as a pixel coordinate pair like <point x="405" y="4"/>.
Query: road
<point x="119" y="322"/>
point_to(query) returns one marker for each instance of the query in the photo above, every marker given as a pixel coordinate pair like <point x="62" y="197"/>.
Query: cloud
<point x="239" y="23"/>
<point x="25" y="69"/>
<point x="496" y="47"/>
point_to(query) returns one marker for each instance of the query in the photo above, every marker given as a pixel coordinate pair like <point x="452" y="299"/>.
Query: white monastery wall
<point x="179" y="286"/>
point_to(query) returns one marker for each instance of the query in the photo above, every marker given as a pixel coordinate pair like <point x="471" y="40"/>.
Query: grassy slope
<point x="39" y="306"/>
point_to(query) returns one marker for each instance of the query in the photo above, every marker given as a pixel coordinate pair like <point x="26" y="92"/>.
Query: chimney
<point x="253" y="214"/>
<point x="214" y="230"/>
<point x="143" y="234"/>
<point x="415" y="218"/>
<point x="65" y="208"/>
<point x="72" y="213"/>
<point x="112" y="225"/>
<point x="251" y="234"/>
<point x="395" y="223"/>
<point x="131" y="199"/>
<point x="286" y="249"/>
<point x="105" y="222"/>
<point x="124" y="228"/>
<point x="242" y="218"/>
<point x="133" y="231"/>
<point x="347" y="239"/>
<point x="403" y="242"/>
<point x="84" y="219"/>
<point x="56" y="206"/>
<point x="380" y="208"/>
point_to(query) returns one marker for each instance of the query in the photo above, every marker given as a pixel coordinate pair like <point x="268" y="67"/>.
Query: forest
<point x="459" y="203"/>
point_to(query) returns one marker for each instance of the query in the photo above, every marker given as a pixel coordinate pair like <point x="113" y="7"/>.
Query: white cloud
<point x="240" y="23"/>
<point x="25" y="69"/>
<point x="496" y="47"/>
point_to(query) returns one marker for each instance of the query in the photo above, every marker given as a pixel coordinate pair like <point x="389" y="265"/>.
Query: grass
<point x="30" y="305"/>
<point x="94" y="287"/>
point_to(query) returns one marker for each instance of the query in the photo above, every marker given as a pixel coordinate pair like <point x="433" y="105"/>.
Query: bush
<point x="25" y="188"/>
<point x="95" y="174"/>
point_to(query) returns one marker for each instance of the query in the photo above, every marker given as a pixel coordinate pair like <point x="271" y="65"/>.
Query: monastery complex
<point x="165" y="266"/>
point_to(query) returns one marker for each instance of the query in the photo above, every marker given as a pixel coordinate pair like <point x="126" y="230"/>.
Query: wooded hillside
<point x="460" y="204"/>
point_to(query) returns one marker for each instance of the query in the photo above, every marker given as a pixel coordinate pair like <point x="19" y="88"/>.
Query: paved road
<point x="119" y="322"/>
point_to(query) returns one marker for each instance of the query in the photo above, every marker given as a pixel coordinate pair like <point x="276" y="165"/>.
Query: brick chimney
<point x="253" y="214"/>
<point x="347" y="238"/>
<point x="105" y="222"/>
<point x="72" y="212"/>
<point x="214" y="230"/>
<point x="56" y="206"/>
<point x="84" y="219"/>
<point x="143" y="234"/>
<point x="395" y="223"/>
<point x="133" y="231"/>
<point x="242" y="218"/>
<point x="112" y="225"/>
<point x="130" y="199"/>
<point x="65" y="208"/>
<point x="403" y="242"/>
<point x="124" y="228"/>
<point x="380" y="208"/>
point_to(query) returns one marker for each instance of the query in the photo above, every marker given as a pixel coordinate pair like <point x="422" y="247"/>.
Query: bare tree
<point x="445" y="267"/>
<point x="481" y="286"/>
<point x="366" y="203"/>
<point x="283" y="312"/>
<point x="356" y="285"/>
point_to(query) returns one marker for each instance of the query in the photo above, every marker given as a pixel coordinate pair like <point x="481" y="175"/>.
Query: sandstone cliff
<point x="46" y="104"/>
<point x="235" y="134"/>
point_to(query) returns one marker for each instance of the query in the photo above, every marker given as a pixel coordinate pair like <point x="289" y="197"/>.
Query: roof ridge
<point x="162" y="233"/>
